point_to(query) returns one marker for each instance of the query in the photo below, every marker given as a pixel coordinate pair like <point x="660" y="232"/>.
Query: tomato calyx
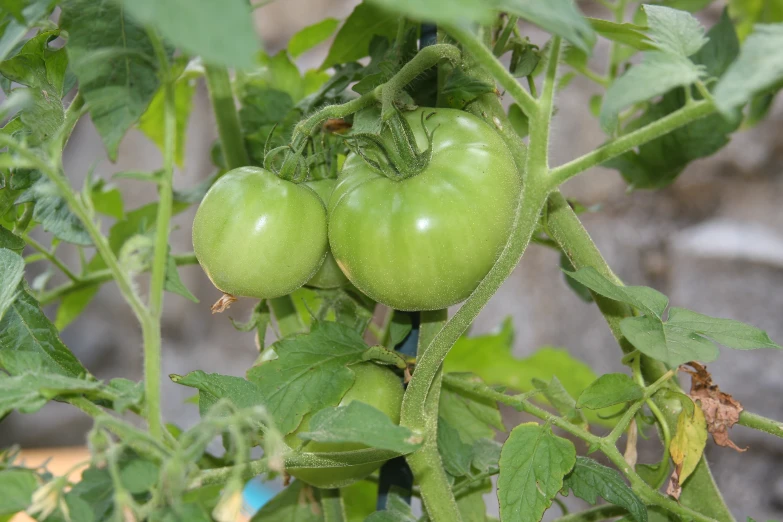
<point x="400" y="159"/>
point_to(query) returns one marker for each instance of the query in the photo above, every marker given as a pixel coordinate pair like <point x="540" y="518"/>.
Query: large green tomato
<point x="257" y="235"/>
<point x="374" y="385"/>
<point x="329" y="275"/>
<point x="425" y="242"/>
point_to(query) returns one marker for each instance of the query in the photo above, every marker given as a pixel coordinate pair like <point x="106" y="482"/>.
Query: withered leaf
<point x="721" y="410"/>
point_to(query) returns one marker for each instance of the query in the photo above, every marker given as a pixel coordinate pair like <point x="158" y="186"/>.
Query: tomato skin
<point x="257" y="235"/>
<point x="374" y="385"/>
<point x="329" y="275"/>
<point x="425" y="242"/>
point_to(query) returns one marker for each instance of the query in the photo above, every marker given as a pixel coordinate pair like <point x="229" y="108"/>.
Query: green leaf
<point x="721" y="49"/>
<point x="38" y="66"/>
<point x="25" y="328"/>
<point x="658" y="162"/>
<point x="629" y="34"/>
<point x="311" y="36"/>
<point x="97" y="488"/>
<point x="361" y="423"/>
<point x="490" y="357"/>
<point x="353" y="39"/>
<point x="173" y="283"/>
<point x="461" y="89"/>
<point x="11" y="272"/>
<point x="213" y="387"/>
<point x="139" y="476"/>
<point x="396" y="510"/>
<point x="728" y="332"/>
<point x="471" y="505"/>
<point x="443" y="11"/>
<point x="749" y="13"/>
<point x="127" y="394"/>
<point x="674" y="31"/>
<point x="533" y="463"/>
<point x="473" y="417"/>
<point x="13" y="30"/>
<point x="52" y="211"/>
<point x="646" y="299"/>
<point x="29" y="392"/>
<point x="220" y="32"/>
<point x="152" y="121"/>
<point x="658" y="73"/>
<point x="73" y="304"/>
<point x="563" y="402"/>
<point x="558" y="17"/>
<point x="518" y="120"/>
<point x="486" y="455"/>
<point x="668" y="343"/>
<point x="608" y="390"/>
<point x="17" y="486"/>
<point x="399" y="328"/>
<point x="589" y="480"/>
<point x="11" y="241"/>
<point x="524" y="59"/>
<point x="758" y="68"/>
<point x="455" y="454"/>
<point x="579" y="289"/>
<point x="291" y="504"/>
<point x="114" y="62"/>
<point x="359" y="500"/>
<point x="107" y="200"/>
<point x="310" y="372"/>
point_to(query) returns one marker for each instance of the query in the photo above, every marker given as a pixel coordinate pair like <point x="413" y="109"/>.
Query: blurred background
<point x="713" y="242"/>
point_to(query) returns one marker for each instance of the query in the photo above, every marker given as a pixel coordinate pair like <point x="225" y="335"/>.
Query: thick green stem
<point x="629" y="141"/>
<point x="72" y="115"/>
<point x="538" y="154"/>
<point x="614" y="54"/>
<point x="332" y="505"/>
<point x="484" y="56"/>
<point x="700" y="491"/>
<point x="424" y="59"/>
<point x="426" y="463"/>
<point x="757" y="422"/>
<point x="231" y="142"/>
<point x="151" y="324"/>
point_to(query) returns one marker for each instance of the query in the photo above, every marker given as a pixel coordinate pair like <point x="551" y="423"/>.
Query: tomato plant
<point x="353" y="204"/>
<point x="245" y="228"/>
<point x="425" y="242"/>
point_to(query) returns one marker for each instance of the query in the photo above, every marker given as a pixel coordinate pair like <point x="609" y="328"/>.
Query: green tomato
<point x="374" y="385"/>
<point x="425" y="242"/>
<point x="329" y="275"/>
<point x="257" y="235"/>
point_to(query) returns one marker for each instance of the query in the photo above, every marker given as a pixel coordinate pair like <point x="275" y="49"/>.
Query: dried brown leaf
<point x="721" y="410"/>
<point x="222" y="304"/>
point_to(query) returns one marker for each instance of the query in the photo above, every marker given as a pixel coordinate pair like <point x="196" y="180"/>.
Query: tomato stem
<point x="222" y="97"/>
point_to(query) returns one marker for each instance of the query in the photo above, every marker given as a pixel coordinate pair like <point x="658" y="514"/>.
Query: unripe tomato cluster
<point x="420" y="243"/>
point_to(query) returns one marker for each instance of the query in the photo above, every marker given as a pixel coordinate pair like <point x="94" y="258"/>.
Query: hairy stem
<point x="483" y="55"/>
<point x="757" y="422"/>
<point x="500" y="45"/>
<point x="151" y="325"/>
<point x="426" y="463"/>
<point x="427" y="57"/>
<point x="593" y="514"/>
<point x="222" y="97"/>
<point x="625" y="143"/>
